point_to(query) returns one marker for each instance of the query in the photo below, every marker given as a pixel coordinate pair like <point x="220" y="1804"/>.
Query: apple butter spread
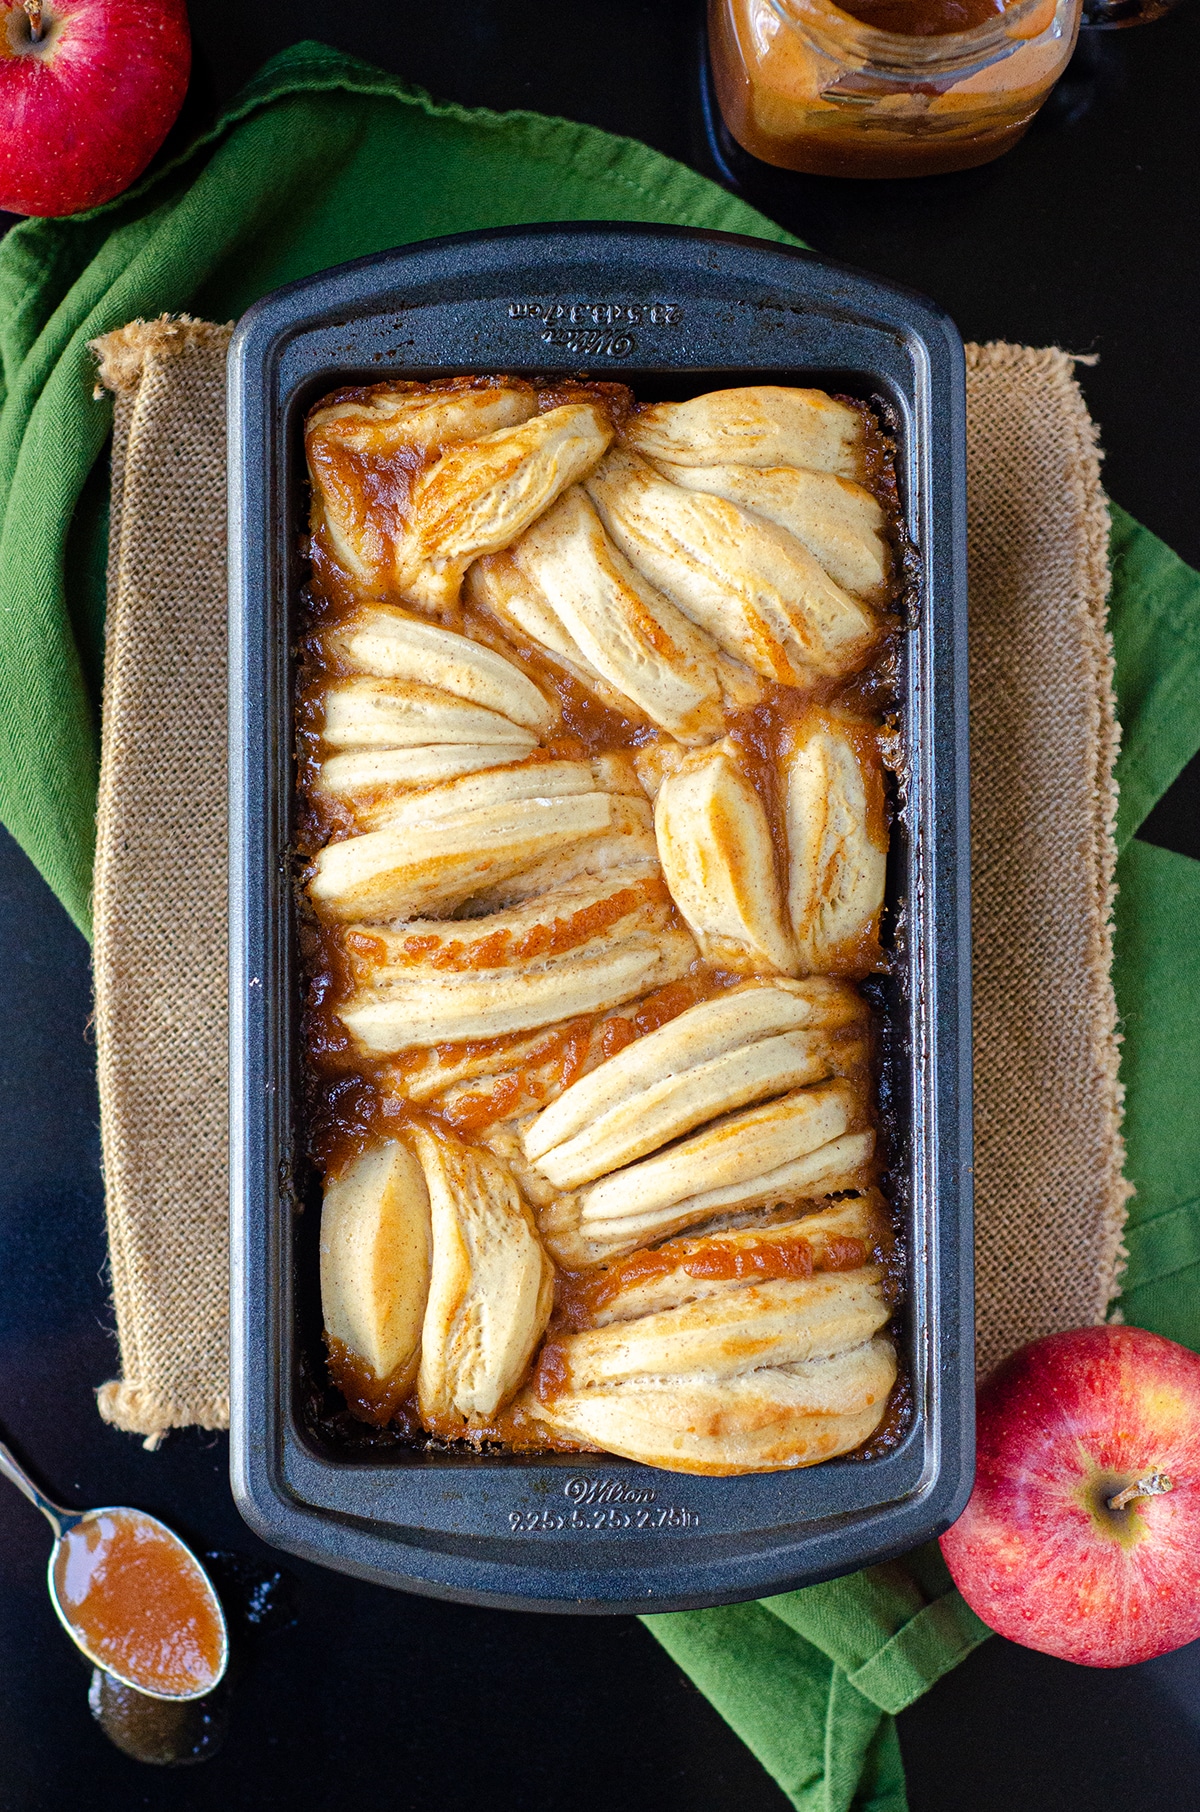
<point x="593" y="705"/>
<point x="878" y="88"/>
<point x="141" y="1605"/>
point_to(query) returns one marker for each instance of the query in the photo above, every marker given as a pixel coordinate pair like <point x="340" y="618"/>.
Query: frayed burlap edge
<point x="122" y="356"/>
<point x="137" y="1410"/>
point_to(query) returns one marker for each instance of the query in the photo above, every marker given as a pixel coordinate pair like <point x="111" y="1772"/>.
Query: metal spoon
<point x="64" y="1522"/>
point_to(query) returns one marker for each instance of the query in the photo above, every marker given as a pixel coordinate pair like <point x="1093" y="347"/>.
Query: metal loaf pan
<point x="673" y="312"/>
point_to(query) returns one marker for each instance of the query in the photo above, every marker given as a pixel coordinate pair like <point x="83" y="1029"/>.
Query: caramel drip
<point x="371" y="1399"/>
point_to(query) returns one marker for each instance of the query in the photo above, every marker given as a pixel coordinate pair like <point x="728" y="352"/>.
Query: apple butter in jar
<point x="877" y="88"/>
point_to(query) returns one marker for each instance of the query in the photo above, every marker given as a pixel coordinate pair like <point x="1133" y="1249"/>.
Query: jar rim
<point x="903" y="51"/>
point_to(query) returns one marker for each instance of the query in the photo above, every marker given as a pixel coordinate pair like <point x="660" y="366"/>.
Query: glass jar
<point x="804" y="85"/>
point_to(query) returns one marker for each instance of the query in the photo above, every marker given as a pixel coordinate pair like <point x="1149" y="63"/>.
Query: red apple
<point x="88" y="92"/>
<point x="1082" y="1535"/>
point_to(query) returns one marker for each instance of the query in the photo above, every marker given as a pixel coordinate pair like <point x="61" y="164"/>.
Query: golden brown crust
<point x="589" y="723"/>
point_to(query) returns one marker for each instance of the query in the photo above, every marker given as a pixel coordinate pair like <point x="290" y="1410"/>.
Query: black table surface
<point x="1085" y="237"/>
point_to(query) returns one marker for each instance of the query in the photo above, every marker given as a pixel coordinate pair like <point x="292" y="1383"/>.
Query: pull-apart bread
<point x="593" y="701"/>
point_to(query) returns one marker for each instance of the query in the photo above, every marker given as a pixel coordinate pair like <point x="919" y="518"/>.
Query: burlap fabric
<point x="160" y="951"/>
<point x="1050" y="1194"/>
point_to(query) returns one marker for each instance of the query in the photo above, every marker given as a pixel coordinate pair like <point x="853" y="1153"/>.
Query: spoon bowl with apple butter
<point x="132" y="1596"/>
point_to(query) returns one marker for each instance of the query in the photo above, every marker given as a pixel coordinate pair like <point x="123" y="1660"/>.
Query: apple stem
<point x="1155" y="1484"/>
<point x="34" y="9"/>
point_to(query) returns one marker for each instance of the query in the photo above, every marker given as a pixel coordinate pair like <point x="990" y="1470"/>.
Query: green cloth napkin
<point x="1155" y="616"/>
<point x="322" y="159"/>
<point x="811" y="1680"/>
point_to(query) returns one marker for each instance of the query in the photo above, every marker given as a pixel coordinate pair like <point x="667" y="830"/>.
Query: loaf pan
<point x="672" y="312"/>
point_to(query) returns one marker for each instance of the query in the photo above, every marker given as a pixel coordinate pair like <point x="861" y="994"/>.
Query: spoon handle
<point x="60" y="1520"/>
